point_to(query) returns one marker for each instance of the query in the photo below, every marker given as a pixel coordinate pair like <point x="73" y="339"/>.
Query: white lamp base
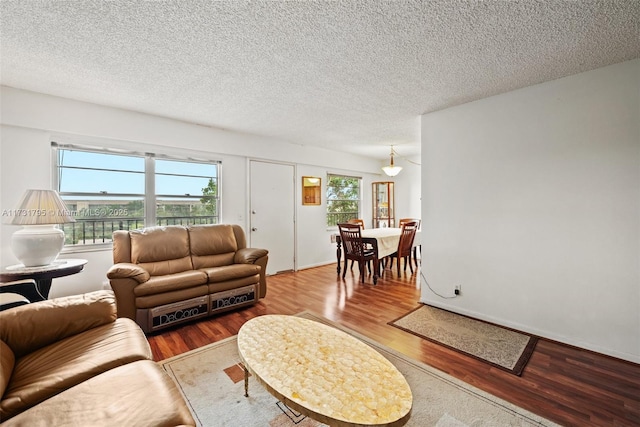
<point x="37" y="245"/>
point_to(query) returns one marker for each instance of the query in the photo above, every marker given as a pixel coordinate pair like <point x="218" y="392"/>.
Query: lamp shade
<point x="39" y="207"/>
<point x="392" y="170"/>
<point x="39" y="242"/>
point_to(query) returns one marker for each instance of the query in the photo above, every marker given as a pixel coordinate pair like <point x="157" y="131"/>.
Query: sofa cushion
<point x="231" y="272"/>
<point x="161" y="250"/>
<point x="155" y="300"/>
<point x="212" y="245"/>
<point x="235" y="284"/>
<point x="7" y="361"/>
<point x="65" y="363"/>
<point x="170" y="282"/>
<point x="121" y="246"/>
<point x="136" y="394"/>
<point x="29" y="327"/>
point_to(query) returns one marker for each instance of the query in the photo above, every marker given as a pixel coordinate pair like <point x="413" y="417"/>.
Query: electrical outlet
<point x="458" y="290"/>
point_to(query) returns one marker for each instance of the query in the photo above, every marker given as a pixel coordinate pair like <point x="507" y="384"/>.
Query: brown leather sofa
<point x="163" y="276"/>
<point x="71" y="361"/>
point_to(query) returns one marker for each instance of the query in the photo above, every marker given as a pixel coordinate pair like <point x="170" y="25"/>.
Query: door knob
<point x="254" y="229"/>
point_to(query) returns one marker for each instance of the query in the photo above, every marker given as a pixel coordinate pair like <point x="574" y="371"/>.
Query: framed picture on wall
<point x="311" y="186"/>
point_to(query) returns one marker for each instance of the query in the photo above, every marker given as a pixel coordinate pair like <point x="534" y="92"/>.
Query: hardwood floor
<point x="567" y="385"/>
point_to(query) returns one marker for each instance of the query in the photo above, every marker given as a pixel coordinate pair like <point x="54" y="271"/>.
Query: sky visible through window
<point x="87" y="172"/>
<point x="106" y="192"/>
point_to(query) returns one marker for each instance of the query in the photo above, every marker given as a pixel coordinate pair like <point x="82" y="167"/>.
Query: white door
<point x="272" y="210"/>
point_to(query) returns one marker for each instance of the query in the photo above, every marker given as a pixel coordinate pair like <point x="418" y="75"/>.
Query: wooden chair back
<point x="407" y="236"/>
<point x="358" y="221"/>
<point x="405" y="220"/>
<point x="352" y="240"/>
<point x="354" y="248"/>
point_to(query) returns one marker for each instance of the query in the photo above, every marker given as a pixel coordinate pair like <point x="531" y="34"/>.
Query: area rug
<point x="503" y="348"/>
<point x="212" y="381"/>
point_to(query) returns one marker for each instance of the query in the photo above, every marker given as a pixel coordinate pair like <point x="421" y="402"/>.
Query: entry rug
<point x="503" y="348"/>
<point x="212" y="381"/>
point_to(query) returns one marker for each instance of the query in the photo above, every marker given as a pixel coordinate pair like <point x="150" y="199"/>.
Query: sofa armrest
<point x="33" y="326"/>
<point x="125" y="270"/>
<point x="124" y="277"/>
<point x="258" y="257"/>
<point x="249" y="255"/>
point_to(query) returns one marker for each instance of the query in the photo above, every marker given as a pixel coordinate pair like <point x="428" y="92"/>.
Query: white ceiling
<point x="350" y="76"/>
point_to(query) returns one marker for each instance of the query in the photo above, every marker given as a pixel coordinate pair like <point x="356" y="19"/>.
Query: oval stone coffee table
<point x="323" y="372"/>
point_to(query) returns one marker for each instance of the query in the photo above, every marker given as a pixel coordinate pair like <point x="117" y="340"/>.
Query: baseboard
<point x="627" y="357"/>
<point x="320" y="264"/>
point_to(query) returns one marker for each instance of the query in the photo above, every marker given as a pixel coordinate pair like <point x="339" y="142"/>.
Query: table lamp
<point x="39" y="242"/>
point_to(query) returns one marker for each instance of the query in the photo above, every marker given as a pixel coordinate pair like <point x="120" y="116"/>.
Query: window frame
<point x="149" y="198"/>
<point x="329" y="200"/>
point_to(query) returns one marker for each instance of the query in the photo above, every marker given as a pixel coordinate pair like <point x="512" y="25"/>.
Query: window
<point x="186" y="192"/>
<point x="108" y="191"/>
<point x="343" y="199"/>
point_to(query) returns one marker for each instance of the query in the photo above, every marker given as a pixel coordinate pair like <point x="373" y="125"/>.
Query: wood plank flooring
<point x="570" y="386"/>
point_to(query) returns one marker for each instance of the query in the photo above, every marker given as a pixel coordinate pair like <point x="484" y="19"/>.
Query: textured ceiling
<point x="348" y="75"/>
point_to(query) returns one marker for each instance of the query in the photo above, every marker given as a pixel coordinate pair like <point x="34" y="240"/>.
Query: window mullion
<point x="109" y="192"/>
<point x="150" y="191"/>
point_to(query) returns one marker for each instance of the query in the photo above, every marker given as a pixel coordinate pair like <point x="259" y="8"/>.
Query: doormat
<point x="506" y="349"/>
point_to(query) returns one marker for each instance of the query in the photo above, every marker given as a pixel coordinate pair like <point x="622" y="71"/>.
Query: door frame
<point x="295" y="201"/>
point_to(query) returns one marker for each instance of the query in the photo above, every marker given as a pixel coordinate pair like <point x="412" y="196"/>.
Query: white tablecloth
<point x="388" y="239"/>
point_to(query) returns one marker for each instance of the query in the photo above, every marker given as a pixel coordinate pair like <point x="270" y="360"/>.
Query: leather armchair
<point x="71" y="361"/>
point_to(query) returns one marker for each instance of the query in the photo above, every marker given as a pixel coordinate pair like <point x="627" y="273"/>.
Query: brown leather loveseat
<point x="167" y="275"/>
<point x="70" y="361"/>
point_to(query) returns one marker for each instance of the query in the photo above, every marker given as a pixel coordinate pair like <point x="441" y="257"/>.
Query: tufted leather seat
<point x="71" y="361"/>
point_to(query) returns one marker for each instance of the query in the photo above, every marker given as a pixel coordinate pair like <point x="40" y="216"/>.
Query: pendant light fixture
<point x="392" y="170"/>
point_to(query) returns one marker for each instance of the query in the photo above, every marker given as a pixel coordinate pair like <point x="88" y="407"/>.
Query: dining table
<point x="384" y="242"/>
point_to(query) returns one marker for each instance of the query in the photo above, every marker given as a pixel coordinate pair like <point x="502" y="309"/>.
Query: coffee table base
<point x="246" y="380"/>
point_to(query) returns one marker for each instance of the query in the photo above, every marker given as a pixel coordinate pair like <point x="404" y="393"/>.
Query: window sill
<point x="76" y="249"/>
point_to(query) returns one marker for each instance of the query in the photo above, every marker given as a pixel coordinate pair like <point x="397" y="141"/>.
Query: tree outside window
<point x="343" y="199"/>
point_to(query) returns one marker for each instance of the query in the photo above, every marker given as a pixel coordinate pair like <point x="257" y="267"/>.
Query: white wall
<point x="407" y="187"/>
<point x="531" y="202"/>
<point x="30" y="121"/>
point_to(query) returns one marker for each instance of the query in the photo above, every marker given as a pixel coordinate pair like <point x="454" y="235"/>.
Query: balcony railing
<point x="335" y="218"/>
<point x="96" y="231"/>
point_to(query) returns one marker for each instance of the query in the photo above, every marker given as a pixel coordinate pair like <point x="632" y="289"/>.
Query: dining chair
<point x="415" y="249"/>
<point x="405" y="245"/>
<point x="360" y="222"/>
<point x="354" y="248"/>
<point x="405" y="220"/>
